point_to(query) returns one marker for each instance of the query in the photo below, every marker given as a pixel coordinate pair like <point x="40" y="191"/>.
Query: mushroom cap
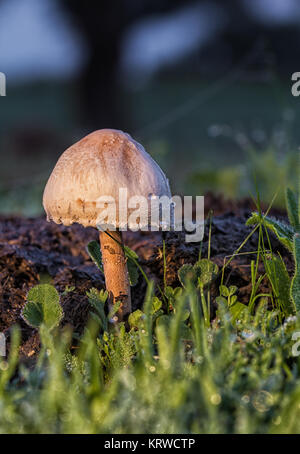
<point x="99" y="165"/>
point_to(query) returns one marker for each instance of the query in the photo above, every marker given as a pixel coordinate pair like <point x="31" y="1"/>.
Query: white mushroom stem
<point x="115" y="271"/>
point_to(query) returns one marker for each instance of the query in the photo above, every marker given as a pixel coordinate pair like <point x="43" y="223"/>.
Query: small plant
<point x="289" y="236"/>
<point x="43" y="307"/>
<point x="228" y="295"/>
<point x="201" y="275"/>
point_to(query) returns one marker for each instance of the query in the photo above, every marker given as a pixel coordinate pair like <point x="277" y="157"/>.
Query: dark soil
<point x="33" y="251"/>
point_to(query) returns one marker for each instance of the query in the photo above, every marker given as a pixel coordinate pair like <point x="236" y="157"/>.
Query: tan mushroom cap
<point x="99" y="165"/>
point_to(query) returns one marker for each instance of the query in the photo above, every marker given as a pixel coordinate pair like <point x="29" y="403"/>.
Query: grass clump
<point x="289" y="236"/>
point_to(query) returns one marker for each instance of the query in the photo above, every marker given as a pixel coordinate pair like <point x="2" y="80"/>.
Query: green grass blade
<point x="283" y="231"/>
<point x="295" y="286"/>
<point x="292" y="209"/>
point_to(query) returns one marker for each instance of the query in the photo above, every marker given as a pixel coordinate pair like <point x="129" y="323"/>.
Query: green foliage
<point x="116" y="350"/>
<point x="202" y="273"/>
<point x="292" y="204"/>
<point x="43" y="307"/>
<point x="94" y="251"/>
<point x="135" y="318"/>
<point x="295" y="285"/>
<point x="237" y="376"/>
<point x="173" y="293"/>
<point x="22" y="199"/>
<point x="156" y="305"/>
<point x="171" y="370"/>
<point x="280" y="282"/>
<point x="206" y="272"/>
<point x="283" y="231"/>
<point x="228" y="296"/>
<point x="273" y="170"/>
<point x="97" y="300"/>
<point x="289" y="237"/>
<point x="132" y="272"/>
<point x="68" y="289"/>
<point x="226" y="180"/>
<point x="186" y="274"/>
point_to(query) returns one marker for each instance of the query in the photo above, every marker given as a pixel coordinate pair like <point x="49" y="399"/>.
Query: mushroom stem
<point x="115" y="270"/>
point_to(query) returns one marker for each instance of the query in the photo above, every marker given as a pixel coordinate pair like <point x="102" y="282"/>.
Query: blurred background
<point x="205" y="86"/>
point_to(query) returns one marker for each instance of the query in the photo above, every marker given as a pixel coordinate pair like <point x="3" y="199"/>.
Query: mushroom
<point x="100" y="165"/>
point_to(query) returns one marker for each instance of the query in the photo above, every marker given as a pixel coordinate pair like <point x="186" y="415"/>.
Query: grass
<point x="167" y="376"/>
<point x="172" y="370"/>
<point x="274" y="170"/>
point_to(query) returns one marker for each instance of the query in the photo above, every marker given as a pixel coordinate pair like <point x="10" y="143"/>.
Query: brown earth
<point x="33" y="250"/>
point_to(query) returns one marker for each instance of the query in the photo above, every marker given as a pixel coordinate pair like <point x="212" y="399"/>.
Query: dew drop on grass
<point x="199" y="359"/>
<point x="3" y="365"/>
<point x="245" y="399"/>
<point x="262" y="401"/>
<point x="216" y="399"/>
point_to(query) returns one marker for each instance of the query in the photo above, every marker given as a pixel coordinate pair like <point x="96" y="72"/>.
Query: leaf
<point x="295" y="286"/>
<point x="172" y="294"/>
<point x="203" y="272"/>
<point x="164" y="321"/>
<point x="237" y="310"/>
<point x="185" y="315"/>
<point x="186" y="332"/>
<point x="280" y="282"/>
<point x="94" y="251"/>
<point x="114" y="309"/>
<point x="206" y="271"/>
<point x="169" y="293"/>
<point x="187" y="273"/>
<point x="292" y="209"/>
<point x="220" y="300"/>
<point x="232" y="290"/>
<point x="177" y="292"/>
<point x="156" y="304"/>
<point x="97" y="300"/>
<point x="135" y="318"/>
<point x="133" y="272"/>
<point x="283" y="231"/>
<point x="233" y="300"/>
<point x="224" y="291"/>
<point x="129" y="253"/>
<point x="43" y="307"/>
<point x="68" y="289"/>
